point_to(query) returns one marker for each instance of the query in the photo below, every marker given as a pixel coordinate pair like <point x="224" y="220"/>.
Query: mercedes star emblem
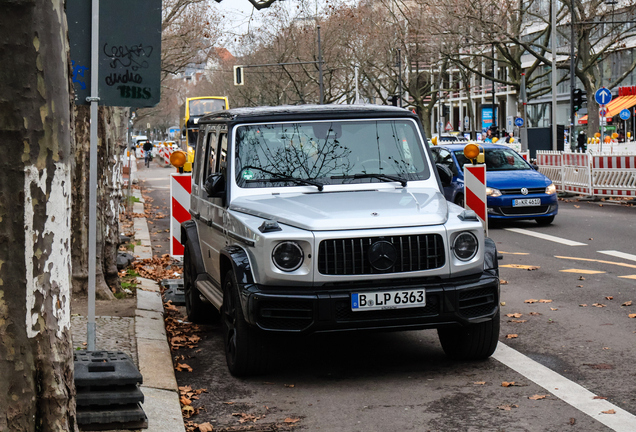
<point x="524" y="191"/>
<point x="382" y="255"/>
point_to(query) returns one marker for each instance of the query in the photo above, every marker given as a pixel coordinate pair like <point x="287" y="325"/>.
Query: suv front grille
<point x="351" y="256"/>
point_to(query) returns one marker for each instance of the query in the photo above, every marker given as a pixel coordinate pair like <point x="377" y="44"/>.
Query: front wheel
<point x="473" y="342"/>
<point x="545" y="220"/>
<point x="247" y="351"/>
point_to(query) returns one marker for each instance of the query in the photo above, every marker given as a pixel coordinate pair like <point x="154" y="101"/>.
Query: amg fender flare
<point x="490" y="255"/>
<point x="190" y="240"/>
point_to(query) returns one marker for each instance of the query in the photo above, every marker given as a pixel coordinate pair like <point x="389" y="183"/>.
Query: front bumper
<point x="449" y="302"/>
<point x="501" y="207"/>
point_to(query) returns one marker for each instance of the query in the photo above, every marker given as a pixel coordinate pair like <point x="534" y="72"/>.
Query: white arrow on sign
<point x="603" y="96"/>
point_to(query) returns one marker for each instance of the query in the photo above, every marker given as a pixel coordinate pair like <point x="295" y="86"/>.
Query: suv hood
<point x="362" y="209"/>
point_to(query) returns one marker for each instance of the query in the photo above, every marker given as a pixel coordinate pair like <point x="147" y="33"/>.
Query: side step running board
<point x="210" y="292"/>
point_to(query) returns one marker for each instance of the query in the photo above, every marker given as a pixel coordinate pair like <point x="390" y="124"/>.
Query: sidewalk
<point x="143" y="337"/>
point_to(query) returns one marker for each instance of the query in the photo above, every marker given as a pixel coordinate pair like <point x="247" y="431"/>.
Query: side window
<point x="199" y="155"/>
<point x="223" y="154"/>
<point x="210" y="153"/>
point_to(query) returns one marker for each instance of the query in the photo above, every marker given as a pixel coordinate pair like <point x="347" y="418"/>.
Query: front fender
<point x="490" y="255"/>
<point x="235" y="258"/>
<point x="190" y="240"/>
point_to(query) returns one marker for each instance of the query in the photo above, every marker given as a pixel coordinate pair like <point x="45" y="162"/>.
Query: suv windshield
<point x="497" y="160"/>
<point x="331" y="152"/>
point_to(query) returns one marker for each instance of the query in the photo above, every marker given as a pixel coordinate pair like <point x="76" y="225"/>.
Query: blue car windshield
<point x="328" y="153"/>
<point x="499" y="159"/>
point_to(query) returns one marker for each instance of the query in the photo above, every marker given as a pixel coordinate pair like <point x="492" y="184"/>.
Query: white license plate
<point x="526" y="202"/>
<point x="388" y="299"/>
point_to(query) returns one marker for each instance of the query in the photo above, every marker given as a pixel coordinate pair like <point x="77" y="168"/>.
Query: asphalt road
<point x="402" y="381"/>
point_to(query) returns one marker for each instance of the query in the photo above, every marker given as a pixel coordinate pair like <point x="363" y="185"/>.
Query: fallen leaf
<point x="627" y="303"/>
<point x="291" y="420"/>
<point x="598" y="304"/>
<point x="508" y="383"/>
<point x="503" y="281"/>
<point x="531" y="301"/>
<point x="591" y="238"/>
<point x="545" y="301"/>
<point x="632" y="315"/>
<point x="507" y="407"/>
<point x="605" y="348"/>
<point x="479" y="382"/>
<point x="535" y="313"/>
<point x="290" y="385"/>
<point x="228" y="403"/>
<point x="599" y="397"/>
<point x="611" y="411"/>
<point x="181" y="366"/>
<point x="577" y="206"/>
<point x="572" y="421"/>
<point x="512" y="336"/>
<point x="554" y="309"/>
<point x="502" y="303"/>
<point x="579" y="286"/>
<point x="600" y="366"/>
<point x="185" y="401"/>
<point x="517" y="321"/>
<point x="514" y="315"/>
<point x="583" y="305"/>
<point x="538" y="397"/>
<point x="609" y="297"/>
<point x="205" y="427"/>
<point x="581" y="278"/>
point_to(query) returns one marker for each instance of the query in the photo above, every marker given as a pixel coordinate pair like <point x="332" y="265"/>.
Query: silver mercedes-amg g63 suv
<point x="329" y="218"/>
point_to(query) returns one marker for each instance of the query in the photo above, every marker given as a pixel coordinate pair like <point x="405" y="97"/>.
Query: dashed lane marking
<point x="566" y="390"/>
<point x="519" y="266"/>
<point x="628" y="277"/>
<point x="619" y="254"/>
<point x="513" y="253"/>
<point x="581" y="271"/>
<point x="598" y="261"/>
<point x="546" y="237"/>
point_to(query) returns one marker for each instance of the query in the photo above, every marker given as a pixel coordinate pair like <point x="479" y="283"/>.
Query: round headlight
<point x="465" y="246"/>
<point x="288" y="256"/>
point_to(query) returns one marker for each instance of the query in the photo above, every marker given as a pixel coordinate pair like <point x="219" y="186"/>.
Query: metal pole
<point x="355" y="69"/>
<point x="129" y="121"/>
<point x="554" y="75"/>
<point x="572" y="74"/>
<point x="440" y="122"/>
<point x="492" y="90"/>
<point x="92" y="182"/>
<point x="399" y="65"/>
<point x="322" y="92"/>
<point x="524" y="128"/>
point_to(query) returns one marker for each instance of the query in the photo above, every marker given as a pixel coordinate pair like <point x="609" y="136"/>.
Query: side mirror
<point x="215" y="186"/>
<point x="445" y="174"/>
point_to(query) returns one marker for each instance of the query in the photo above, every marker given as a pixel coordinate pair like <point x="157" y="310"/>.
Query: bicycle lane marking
<point x="568" y="391"/>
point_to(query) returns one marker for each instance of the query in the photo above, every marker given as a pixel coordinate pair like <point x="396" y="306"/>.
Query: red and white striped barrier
<point x="550" y="163"/>
<point x="475" y="191"/>
<point x="576" y="173"/>
<point x="614" y="175"/>
<point x="180" y="190"/>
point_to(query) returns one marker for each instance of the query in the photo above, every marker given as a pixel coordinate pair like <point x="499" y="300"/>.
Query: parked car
<point x="331" y="218"/>
<point x="515" y="189"/>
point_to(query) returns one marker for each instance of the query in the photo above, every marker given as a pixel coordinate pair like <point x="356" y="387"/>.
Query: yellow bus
<point x="195" y="108"/>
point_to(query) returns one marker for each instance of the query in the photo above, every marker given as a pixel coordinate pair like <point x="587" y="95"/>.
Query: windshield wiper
<point x="290" y="179"/>
<point x="379" y="176"/>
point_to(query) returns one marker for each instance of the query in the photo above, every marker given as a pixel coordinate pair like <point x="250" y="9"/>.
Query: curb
<point x="161" y="393"/>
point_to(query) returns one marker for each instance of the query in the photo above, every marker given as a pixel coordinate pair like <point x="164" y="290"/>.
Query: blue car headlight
<point x="550" y="190"/>
<point x="493" y="192"/>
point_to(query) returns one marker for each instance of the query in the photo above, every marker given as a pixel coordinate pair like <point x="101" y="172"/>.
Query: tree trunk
<point x="36" y="359"/>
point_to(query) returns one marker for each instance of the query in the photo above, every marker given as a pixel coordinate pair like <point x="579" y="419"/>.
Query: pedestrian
<point x="488" y="138"/>
<point x="581" y="141"/>
<point x="510" y="138"/>
<point x="147" y="153"/>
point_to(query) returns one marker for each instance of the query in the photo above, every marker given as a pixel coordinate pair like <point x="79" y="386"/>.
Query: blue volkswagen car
<point x="515" y="189"/>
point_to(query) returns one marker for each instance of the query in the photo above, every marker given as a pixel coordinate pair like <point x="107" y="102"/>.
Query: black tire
<point x="198" y="310"/>
<point x="459" y="200"/>
<point x="247" y="350"/>
<point x="474" y="342"/>
<point x="545" y="220"/>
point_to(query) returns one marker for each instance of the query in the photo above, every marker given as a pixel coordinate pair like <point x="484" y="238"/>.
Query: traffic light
<point x="445" y="111"/>
<point x="238" y="76"/>
<point x="393" y="100"/>
<point x="577" y="101"/>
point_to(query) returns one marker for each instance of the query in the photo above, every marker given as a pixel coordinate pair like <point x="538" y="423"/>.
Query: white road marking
<point x="566" y="390"/>
<point x="546" y="237"/>
<point x="619" y="254"/>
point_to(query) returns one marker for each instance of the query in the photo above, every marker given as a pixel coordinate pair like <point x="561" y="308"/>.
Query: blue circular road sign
<point x="603" y="96"/>
<point x="519" y="121"/>
<point x="625" y="114"/>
